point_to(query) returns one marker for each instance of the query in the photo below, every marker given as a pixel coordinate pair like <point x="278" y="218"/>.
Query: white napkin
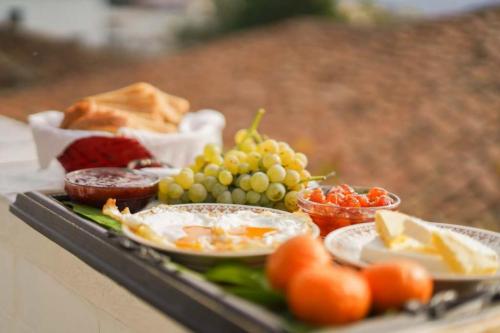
<point x="179" y="149"/>
<point x="21" y="177"/>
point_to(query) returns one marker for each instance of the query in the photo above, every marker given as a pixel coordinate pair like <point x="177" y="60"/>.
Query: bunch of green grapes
<point x="257" y="171"/>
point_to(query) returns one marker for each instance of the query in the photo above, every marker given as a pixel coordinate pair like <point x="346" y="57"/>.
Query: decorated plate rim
<point x="333" y="236"/>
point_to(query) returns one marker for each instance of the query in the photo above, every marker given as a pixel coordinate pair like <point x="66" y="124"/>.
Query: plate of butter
<point x="450" y="252"/>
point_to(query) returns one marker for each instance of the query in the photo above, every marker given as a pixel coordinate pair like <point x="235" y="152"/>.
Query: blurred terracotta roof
<point x="414" y="108"/>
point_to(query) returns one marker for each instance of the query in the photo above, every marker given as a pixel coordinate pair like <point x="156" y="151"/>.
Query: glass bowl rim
<point x="153" y="179"/>
<point x="303" y="200"/>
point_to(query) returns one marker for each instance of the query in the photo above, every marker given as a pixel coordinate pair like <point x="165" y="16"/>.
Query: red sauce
<point x="130" y="188"/>
<point x="339" y="206"/>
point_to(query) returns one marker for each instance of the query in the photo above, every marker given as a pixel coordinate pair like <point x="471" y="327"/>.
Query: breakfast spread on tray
<point x="222" y="204"/>
<point x="401" y="236"/>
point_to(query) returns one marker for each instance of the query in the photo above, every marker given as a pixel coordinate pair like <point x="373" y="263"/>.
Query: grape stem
<point x="255" y="124"/>
<point x="252" y="131"/>
<point x="318" y="178"/>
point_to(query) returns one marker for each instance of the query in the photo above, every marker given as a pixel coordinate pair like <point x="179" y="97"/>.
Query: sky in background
<point x="436" y="7"/>
<point x="96" y="23"/>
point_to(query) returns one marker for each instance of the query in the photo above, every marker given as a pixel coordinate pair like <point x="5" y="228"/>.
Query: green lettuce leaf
<point x="95" y="215"/>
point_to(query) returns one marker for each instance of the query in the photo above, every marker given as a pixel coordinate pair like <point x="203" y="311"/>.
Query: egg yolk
<point x="252" y="232"/>
<point x="193" y="233"/>
<point x="190" y="241"/>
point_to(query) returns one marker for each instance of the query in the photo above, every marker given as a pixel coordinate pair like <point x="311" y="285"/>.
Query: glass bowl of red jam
<point x="131" y="188"/>
<point x="340" y="206"/>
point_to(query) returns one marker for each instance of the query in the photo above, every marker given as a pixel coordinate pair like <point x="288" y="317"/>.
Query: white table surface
<point x="43" y="287"/>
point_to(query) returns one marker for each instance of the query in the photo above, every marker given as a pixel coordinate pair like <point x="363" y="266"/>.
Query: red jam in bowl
<point x="335" y="207"/>
<point x="131" y="188"/>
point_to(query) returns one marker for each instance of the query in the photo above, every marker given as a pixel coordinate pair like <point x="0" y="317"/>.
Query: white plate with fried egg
<point x="201" y="235"/>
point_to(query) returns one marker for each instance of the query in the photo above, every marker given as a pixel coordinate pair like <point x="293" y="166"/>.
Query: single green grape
<point x="244" y="183"/>
<point x="259" y="182"/>
<point x="194" y="167"/>
<point x="232" y="163"/>
<point x="253" y="198"/>
<point x="225" y="177"/>
<point x="163" y="185"/>
<point x="242" y="156"/>
<point x="296" y="164"/>
<point x="217" y="189"/>
<point x="185" y="178"/>
<point x="187" y="171"/>
<point x="292" y="178"/>
<point x="276" y="173"/>
<point x="291" y="200"/>
<point x="210" y="151"/>
<point x="239" y="196"/>
<point x="225" y="198"/>
<point x="283" y="146"/>
<point x="199" y="161"/>
<point x="287" y="156"/>
<point x="197" y="193"/>
<point x="264" y="201"/>
<point x="299" y="187"/>
<point x="216" y="159"/>
<point x="248" y="146"/>
<point x="209" y="182"/>
<point x="199" y="177"/>
<point x="243" y="168"/>
<point x="175" y="191"/>
<point x="163" y="197"/>
<point x="231" y="152"/>
<point x="211" y="170"/>
<point x="240" y="136"/>
<point x="276" y="191"/>
<point x="253" y="160"/>
<point x="268" y="147"/>
<point x="302" y="157"/>
<point x="268" y="160"/>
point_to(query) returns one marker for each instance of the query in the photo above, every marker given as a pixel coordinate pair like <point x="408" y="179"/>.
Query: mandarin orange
<point x="292" y="257"/>
<point x="329" y="296"/>
<point x="393" y="283"/>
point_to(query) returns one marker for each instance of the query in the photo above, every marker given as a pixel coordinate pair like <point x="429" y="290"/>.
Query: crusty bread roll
<point x="138" y="106"/>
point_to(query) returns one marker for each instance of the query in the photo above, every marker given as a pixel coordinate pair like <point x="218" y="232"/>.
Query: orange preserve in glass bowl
<point x="333" y="207"/>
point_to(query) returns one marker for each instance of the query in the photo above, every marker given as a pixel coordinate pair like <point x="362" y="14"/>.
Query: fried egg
<point x="212" y="231"/>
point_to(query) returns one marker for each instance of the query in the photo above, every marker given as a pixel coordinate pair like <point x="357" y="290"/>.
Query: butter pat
<point x="390" y="226"/>
<point x="375" y="251"/>
<point x="465" y="255"/>
<point x="419" y="230"/>
<point x="439" y="250"/>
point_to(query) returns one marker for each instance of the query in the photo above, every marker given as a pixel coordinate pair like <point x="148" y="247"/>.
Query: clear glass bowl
<point x="131" y="188"/>
<point x="329" y="217"/>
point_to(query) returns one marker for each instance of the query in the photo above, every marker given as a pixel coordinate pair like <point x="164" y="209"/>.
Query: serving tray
<point x="196" y="303"/>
